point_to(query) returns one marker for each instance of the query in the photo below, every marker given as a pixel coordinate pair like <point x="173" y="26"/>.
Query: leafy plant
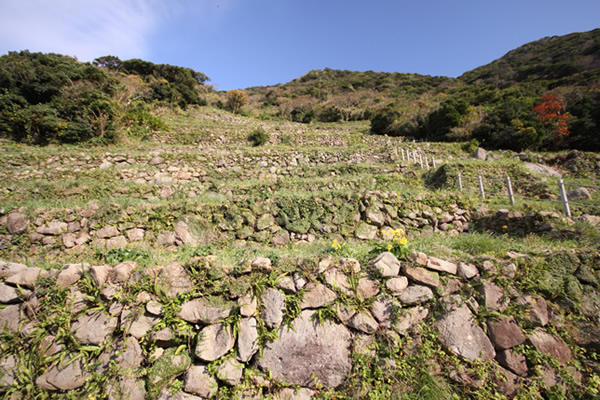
<point x="258" y="137"/>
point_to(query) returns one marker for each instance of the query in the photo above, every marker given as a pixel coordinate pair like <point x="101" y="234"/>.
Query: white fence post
<point x="511" y="196"/>
<point x="563" y="197"/>
<point x="433" y="162"/>
<point x="481" y="191"/>
<point x="460" y="186"/>
<point x="421" y="160"/>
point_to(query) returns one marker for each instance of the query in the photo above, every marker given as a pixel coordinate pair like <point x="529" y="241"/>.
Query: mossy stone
<point x="169" y="365"/>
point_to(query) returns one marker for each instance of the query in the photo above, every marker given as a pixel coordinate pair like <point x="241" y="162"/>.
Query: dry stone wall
<point x="132" y="331"/>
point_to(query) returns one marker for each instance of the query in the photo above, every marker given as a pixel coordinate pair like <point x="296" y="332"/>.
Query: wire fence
<point x="497" y="187"/>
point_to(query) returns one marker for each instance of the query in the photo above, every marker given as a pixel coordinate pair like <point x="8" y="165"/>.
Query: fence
<point x="504" y="186"/>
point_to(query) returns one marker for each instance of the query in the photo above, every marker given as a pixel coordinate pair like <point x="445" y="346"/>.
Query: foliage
<point x="236" y="99"/>
<point x="258" y="137"/>
<point x="551" y="112"/>
<point x="394" y="241"/>
<point x="382" y="121"/>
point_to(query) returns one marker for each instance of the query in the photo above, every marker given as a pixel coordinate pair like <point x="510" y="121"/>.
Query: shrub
<point x="471" y="146"/>
<point x="236" y="99"/>
<point x="330" y="114"/>
<point x="382" y="121"/>
<point x="258" y="137"/>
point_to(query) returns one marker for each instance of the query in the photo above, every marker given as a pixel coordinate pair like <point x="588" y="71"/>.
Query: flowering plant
<point x="394" y="241"/>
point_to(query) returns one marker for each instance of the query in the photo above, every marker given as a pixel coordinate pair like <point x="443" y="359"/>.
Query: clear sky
<point x="242" y="43"/>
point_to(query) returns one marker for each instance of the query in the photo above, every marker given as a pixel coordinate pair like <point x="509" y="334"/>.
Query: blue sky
<point x="242" y="43"/>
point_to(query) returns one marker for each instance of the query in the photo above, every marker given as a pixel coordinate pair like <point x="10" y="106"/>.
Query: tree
<point x="550" y="112"/>
<point x="236" y="99"/>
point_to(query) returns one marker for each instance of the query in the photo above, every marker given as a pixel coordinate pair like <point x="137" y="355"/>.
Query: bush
<point x="471" y="146"/>
<point x="382" y="121"/>
<point x="330" y="114"/>
<point x="258" y="137"/>
<point x="236" y="99"/>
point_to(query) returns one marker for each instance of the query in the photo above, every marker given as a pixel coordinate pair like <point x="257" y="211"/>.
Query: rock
<point x="386" y="264"/>
<point x="27" y="277"/>
<point x="122" y="271"/>
<point x="168" y="366"/>
<point x="397" y="285"/>
<point x="10" y="318"/>
<point x="467" y="271"/>
<point x="8" y="269"/>
<point x="8" y="371"/>
<point x="126" y="387"/>
<point x="69" y="240"/>
<point x="579" y="194"/>
<point x="317" y="295"/>
<point x="94" y="328"/>
<point x="294" y="394"/>
<point x="350" y="265"/>
<point x="116" y="242"/>
<point x="156" y="160"/>
<point x="247" y="341"/>
<point x="107" y="232"/>
<point x="338" y="280"/>
<point x="154" y="307"/>
<point x="10" y="295"/>
<point x="440" y="265"/>
<point x="451" y="286"/>
<point x="480" y="154"/>
<point x="230" y="372"/>
<point x="365" y="231"/>
<point x="175" y="279"/>
<point x="167" y="394"/>
<point x="16" y="223"/>
<point x="422" y="276"/>
<point x="541" y="169"/>
<point x="409" y="318"/>
<point x="383" y="309"/>
<point x="344" y="313"/>
<point x="493" y="296"/>
<point x="66" y="375"/>
<point x="197" y="380"/>
<point x="507" y="382"/>
<point x="248" y="305"/>
<point x="137" y="325"/>
<point x="367" y="288"/>
<point x="375" y="217"/>
<point x="262" y="264"/>
<point x="459" y="334"/>
<point x="310" y="354"/>
<point x="70" y="274"/>
<point x="183" y="234"/>
<point x="415" y="294"/>
<point x="54" y="228"/>
<point x="505" y="333"/>
<point x="204" y="310"/>
<point x="135" y="235"/>
<point x="274" y="306"/>
<point x="166" y="238"/>
<point x="551" y="345"/>
<point x="593" y="220"/>
<point x="364" y="322"/>
<point x="537" y="310"/>
<point x="299" y="281"/>
<point x="516" y="362"/>
<point x="264" y="222"/>
<point x="100" y="273"/>
<point x="163" y="337"/>
<point x="419" y="258"/>
<point x="128" y="356"/>
<point x="105" y="164"/>
<point x="280" y="238"/>
<point x="214" y="341"/>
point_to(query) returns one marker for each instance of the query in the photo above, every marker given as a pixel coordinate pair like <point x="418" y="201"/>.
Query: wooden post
<point x="511" y="196"/>
<point x="563" y="197"/>
<point x="481" y="191"/>
<point x="433" y="162"/>
<point x="460" y="186"/>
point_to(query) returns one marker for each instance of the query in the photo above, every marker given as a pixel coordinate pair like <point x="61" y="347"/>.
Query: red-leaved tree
<point x="551" y="112"/>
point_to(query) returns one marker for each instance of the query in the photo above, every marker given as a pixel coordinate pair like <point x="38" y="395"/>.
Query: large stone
<point x="183" y="234"/>
<point x="70" y="274"/>
<point x="295" y="394"/>
<point x="409" y="318"/>
<point x="505" y="333"/>
<point x="10" y="294"/>
<point x="415" y="294"/>
<point x="422" y="276"/>
<point x="27" y="277"/>
<point x="336" y="279"/>
<point x="207" y="311"/>
<point x="507" y="382"/>
<point x="273" y="307"/>
<point x="310" y="354"/>
<point x="493" y="296"/>
<point x="100" y="273"/>
<point x="516" y="362"/>
<point x="66" y="375"/>
<point x="54" y="228"/>
<point x="8" y="371"/>
<point x="94" y="328"/>
<point x="169" y="365"/>
<point x="122" y="271"/>
<point x="467" y="271"/>
<point x="128" y="356"/>
<point x="126" y="388"/>
<point x="230" y="372"/>
<point x="386" y="264"/>
<point x="459" y="334"/>
<point x="536" y="312"/>
<point x="580" y="193"/>
<point x="364" y="322"/>
<point x="264" y="221"/>
<point x="541" y="169"/>
<point x="137" y="323"/>
<point x="248" y="305"/>
<point x="383" y="309"/>
<point x="107" y="232"/>
<point x="375" y="217"/>
<point x="16" y="223"/>
<point x="397" y="285"/>
<point x="10" y="318"/>
<point x="214" y="341"/>
<point x="367" y="288"/>
<point x="176" y="279"/>
<point x="317" y="295"/>
<point x="8" y="269"/>
<point x="480" y="154"/>
<point x="551" y="345"/>
<point x="247" y="341"/>
<point x="442" y="265"/>
<point x="365" y="231"/>
<point x="197" y="380"/>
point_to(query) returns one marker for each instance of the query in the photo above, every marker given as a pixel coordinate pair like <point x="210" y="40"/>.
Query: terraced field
<point x="274" y="236"/>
